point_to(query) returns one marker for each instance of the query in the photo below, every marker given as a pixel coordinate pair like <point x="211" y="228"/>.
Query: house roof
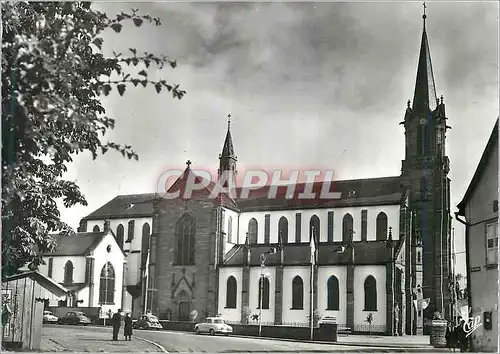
<point x="45" y="282"/>
<point x="481" y="167"/>
<point x="78" y="244"/>
<point x="366" y="253"/>
<point x="125" y="206"/>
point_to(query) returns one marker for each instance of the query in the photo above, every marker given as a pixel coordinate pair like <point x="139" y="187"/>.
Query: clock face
<point x="108" y="248"/>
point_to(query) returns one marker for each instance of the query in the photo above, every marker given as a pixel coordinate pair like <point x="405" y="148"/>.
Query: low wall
<point x="250" y="330"/>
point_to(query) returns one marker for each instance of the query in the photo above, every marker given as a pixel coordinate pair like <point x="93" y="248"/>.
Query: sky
<point x="307" y="84"/>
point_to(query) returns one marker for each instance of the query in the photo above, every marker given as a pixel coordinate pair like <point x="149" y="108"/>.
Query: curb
<point x="371" y="345"/>
<point x="159" y="346"/>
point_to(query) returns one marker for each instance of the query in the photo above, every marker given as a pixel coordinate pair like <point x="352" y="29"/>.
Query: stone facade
<point x="185" y="287"/>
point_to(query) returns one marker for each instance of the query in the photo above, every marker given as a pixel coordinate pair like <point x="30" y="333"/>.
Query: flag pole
<point x="313" y="250"/>
<point x="146" y="281"/>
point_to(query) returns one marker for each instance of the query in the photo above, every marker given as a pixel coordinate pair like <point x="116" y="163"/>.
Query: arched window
<point x="314" y="225"/>
<point x="107" y="285"/>
<point x="333" y="293"/>
<point x="264" y="287"/>
<point x="381" y="226"/>
<point x="146" y="231"/>
<point x="347" y="227"/>
<point x="297" y="293"/>
<point x="68" y="272"/>
<point x="51" y="267"/>
<point x="120" y="235"/>
<point x="231" y="293"/>
<point x="370" y="294"/>
<point x="253" y="231"/>
<point x="185" y="231"/>
<point x="230" y="229"/>
<point x="283" y="229"/>
<point x="96" y="229"/>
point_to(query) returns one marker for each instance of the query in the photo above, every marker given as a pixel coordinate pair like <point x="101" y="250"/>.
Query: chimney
<point x="106" y="226"/>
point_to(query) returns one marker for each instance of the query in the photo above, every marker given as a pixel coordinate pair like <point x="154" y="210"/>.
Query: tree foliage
<point x="54" y="77"/>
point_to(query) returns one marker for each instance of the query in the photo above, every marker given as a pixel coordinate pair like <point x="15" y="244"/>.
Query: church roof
<point x="76" y="245"/>
<point x="425" y="97"/>
<point x="125" y="206"/>
<point x="296" y="254"/>
<point x="483" y="163"/>
<point x="356" y="192"/>
<point x="181" y="182"/>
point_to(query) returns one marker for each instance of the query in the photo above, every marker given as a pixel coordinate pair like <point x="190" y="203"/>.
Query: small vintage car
<point x="213" y="326"/>
<point x="49" y="317"/>
<point x="75" y="318"/>
<point x="147" y="322"/>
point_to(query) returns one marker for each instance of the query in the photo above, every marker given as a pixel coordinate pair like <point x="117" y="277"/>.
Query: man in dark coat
<point x="117" y="321"/>
<point x="127" y="330"/>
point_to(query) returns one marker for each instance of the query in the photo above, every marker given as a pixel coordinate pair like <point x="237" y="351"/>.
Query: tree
<point x="54" y="77"/>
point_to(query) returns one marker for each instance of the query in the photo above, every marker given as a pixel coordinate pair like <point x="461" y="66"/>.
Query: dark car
<point x="75" y="318"/>
<point x="147" y="322"/>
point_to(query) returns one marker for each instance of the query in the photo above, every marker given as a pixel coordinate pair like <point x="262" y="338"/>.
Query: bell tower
<point x="425" y="173"/>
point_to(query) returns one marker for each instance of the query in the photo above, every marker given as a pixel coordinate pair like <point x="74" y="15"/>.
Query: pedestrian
<point x="461" y="338"/>
<point x="117" y="321"/>
<point x="451" y="337"/>
<point x="127" y="330"/>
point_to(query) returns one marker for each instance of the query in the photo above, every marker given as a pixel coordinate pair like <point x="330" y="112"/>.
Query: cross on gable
<point x="188" y="163"/>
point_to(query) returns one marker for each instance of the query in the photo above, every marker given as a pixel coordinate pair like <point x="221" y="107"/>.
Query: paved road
<point x="182" y="342"/>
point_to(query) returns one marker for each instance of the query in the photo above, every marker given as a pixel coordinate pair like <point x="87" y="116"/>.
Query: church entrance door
<point x="184" y="310"/>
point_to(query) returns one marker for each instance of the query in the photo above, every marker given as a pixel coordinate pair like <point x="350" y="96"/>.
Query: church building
<point x="377" y="251"/>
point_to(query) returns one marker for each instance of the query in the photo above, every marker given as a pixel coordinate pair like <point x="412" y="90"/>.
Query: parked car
<point x="75" y="318"/>
<point x="49" y="317"/>
<point x="213" y="326"/>
<point x="147" y="322"/>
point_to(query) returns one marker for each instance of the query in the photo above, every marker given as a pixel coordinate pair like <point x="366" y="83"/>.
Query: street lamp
<point x="394" y="320"/>
<point x="262" y="276"/>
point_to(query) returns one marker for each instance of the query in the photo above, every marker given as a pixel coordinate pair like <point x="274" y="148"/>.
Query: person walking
<point x="127" y="330"/>
<point x="451" y="337"/>
<point x="461" y="336"/>
<point x="117" y="321"/>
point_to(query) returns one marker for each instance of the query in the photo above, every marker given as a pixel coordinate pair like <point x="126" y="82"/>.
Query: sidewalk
<point x="386" y="341"/>
<point x="95" y="342"/>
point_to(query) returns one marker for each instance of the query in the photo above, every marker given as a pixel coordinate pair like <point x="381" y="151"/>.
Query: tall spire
<point x="228" y="149"/>
<point x="425" y="90"/>
<point x="227" y="159"/>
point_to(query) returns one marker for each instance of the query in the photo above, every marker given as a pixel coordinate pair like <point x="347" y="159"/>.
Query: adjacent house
<point x="91" y="266"/>
<point x="480" y="208"/>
